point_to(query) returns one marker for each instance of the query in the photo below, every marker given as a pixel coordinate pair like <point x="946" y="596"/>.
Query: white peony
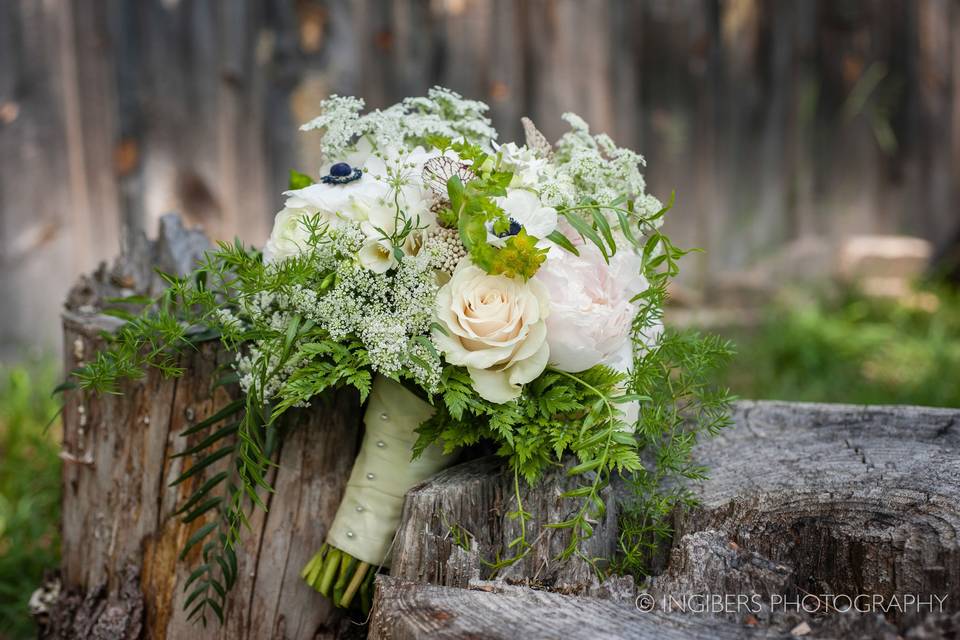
<point x="290" y="235"/>
<point x="525" y="208"/>
<point x="494" y="326"/>
<point x="590" y="310"/>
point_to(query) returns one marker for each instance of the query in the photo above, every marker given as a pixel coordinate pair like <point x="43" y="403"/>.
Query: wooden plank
<point x="408" y="610"/>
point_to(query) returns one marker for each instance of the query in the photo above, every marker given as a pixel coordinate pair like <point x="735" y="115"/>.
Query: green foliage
<point x="851" y="348"/>
<point x="299" y="180"/>
<point x="29" y="490"/>
<point x="684" y="404"/>
<point x="559" y="412"/>
<point x="473" y="210"/>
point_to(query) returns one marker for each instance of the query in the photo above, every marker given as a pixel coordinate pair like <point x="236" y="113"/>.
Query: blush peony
<point x="590" y="309"/>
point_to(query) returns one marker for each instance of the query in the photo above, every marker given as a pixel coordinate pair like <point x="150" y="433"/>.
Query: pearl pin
<point x="384" y="416"/>
<point x="360" y="509"/>
<point x="381" y="444"/>
<point x="349" y="534"/>
<point x="370" y="476"/>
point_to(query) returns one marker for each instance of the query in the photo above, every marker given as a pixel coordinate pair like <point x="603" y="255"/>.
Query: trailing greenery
<point x="685" y="403"/>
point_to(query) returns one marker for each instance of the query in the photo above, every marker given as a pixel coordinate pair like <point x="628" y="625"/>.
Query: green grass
<point x="29" y="490"/>
<point x="855" y="350"/>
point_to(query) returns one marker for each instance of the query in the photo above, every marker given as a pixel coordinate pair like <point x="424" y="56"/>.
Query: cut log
<point x="801" y="499"/>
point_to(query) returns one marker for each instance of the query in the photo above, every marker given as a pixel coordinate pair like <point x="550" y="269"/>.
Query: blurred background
<point x="814" y="146"/>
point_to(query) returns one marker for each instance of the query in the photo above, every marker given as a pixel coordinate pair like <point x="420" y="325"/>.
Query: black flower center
<point x="512" y="230"/>
<point x="341" y="173"/>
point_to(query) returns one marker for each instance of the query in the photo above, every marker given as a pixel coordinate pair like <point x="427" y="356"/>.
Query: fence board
<point x="773" y="121"/>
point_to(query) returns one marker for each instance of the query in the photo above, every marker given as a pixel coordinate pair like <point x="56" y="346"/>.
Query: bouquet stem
<point x="366" y="522"/>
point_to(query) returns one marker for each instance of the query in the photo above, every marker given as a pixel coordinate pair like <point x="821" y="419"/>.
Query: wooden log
<point x="801" y="499"/>
<point x="121" y="538"/>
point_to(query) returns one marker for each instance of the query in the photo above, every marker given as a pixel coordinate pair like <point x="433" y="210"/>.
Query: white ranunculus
<point x="590" y="309"/>
<point x="290" y="235"/>
<point x="377" y="256"/>
<point x="494" y="326"/>
<point x="525" y="208"/>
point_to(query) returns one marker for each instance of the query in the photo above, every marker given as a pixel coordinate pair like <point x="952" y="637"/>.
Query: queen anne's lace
<point x="441" y="113"/>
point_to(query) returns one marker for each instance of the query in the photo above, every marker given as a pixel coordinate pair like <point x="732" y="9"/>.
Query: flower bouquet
<point x="469" y="291"/>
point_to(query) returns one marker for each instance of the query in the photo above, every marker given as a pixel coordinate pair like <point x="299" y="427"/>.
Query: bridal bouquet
<point x="469" y="290"/>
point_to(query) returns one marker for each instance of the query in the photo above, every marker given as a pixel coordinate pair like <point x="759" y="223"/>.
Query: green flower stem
<point x="355" y="583"/>
<point x="331" y="565"/>
<point x="339" y="576"/>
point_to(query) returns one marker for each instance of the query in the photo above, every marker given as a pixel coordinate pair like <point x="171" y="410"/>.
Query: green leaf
<point x="203" y="464"/>
<point x="562" y="241"/>
<point x="601" y="221"/>
<point x="202" y="491"/>
<point x="299" y="180"/>
<point x="199" y="535"/>
<point x="228" y="410"/>
<point x="625" y="228"/>
<point x="209" y="440"/>
<point x="584" y="467"/>
<point x="195" y="575"/>
<point x="666" y="207"/>
<point x="587" y="231"/>
<point x="202" y="509"/>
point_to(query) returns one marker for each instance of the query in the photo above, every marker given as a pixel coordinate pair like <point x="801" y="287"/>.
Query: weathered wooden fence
<point x="773" y="121"/>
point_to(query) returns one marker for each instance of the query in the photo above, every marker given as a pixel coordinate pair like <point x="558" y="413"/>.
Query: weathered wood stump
<point x="802" y="499"/>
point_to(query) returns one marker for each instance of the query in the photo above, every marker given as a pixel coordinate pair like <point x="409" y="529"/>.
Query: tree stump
<point x="801" y="499"/>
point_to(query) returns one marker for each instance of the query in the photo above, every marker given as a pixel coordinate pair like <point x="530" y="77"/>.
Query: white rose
<point x="290" y="235"/>
<point x="495" y="328"/>
<point x="525" y="208"/>
<point x="590" y="309"/>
